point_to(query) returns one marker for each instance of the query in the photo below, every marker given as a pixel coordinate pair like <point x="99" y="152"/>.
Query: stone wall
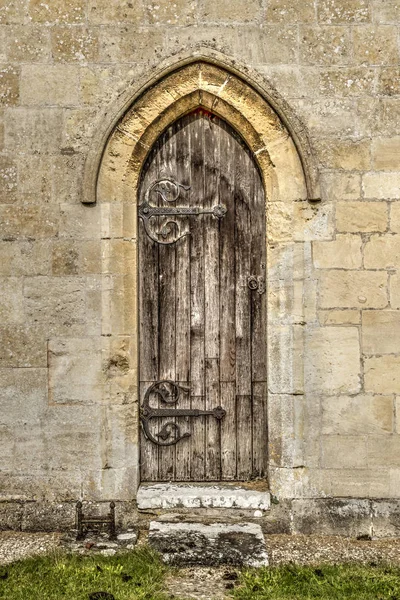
<point x="68" y="419"/>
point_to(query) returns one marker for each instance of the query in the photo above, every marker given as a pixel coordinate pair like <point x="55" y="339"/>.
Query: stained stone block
<point x="212" y="545"/>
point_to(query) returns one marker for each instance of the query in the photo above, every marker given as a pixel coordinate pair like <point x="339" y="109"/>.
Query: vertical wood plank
<point x="197" y="440"/>
<point x="260" y="432"/>
<point x="166" y="159"/>
<point x="212" y="133"/>
<point x="182" y="316"/>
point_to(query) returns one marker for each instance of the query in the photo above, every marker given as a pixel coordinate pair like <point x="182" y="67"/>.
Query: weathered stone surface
<point x="382" y="252"/>
<point x="230" y="10"/>
<point x="385" y="153"/>
<point x="375" y="45"/>
<point x="37" y="130"/>
<point x="339" y="317"/>
<point x="338" y="516"/>
<point x="11" y="300"/>
<point x="381" y="330"/>
<point x="389" y="81"/>
<point x="333" y="372"/>
<point x="49" y="85"/>
<point x="344" y="451"/>
<point x="216" y="544"/>
<point x="386" y="11"/>
<point x="28" y="43"/>
<point x="101" y="12"/>
<point x="381" y="185"/>
<point x="343" y="11"/>
<point x="57" y="11"/>
<point x="386" y="518"/>
<point x="316" y="45"/>
<point x="361" y="216"/>
<point x="9" y="82"/>
<point x="24" y="395"/>
<point x="74" y="44"/>
<point x="290" y="12"/>
<point x="163" y="495"/>
<point x="344" y="154"/>
<point x="341" y="186"/>
<point x="353" y="289"/>
<point x="382" y="374"/>
<point x="347" y="82"/>
<point x="342" y="253"/>
<point x="359" y="415"/>
<point x="22" y="346"/>
<point x="384" y="451"/>
<point x="124" y="44"/>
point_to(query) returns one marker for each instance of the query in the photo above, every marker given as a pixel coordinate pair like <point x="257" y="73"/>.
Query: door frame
<point x="289" y="179"/>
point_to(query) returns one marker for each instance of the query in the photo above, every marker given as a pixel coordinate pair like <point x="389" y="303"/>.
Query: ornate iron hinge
<point x="164" y="187"/>
<point x="169" y="392"/>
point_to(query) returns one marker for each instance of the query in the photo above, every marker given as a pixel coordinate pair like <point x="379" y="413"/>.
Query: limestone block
<point x="180" y="12"/>
<point x="386" y="11"/>
<point x="129" y="44"/>
<point x="382" y="252"/>
<point x="394" y="485"/>
<point x="385" y="154"/>
<point x="22" y="346"/>
<point x="57" y="11"/>
<point x="290" y="12"/>
<point x="79" y="129"/>
<point x="49" y="85"/>
<point x="386" y="518"/>
<point x="75" y="258"/>
<point x="341" y="186"/>
<point x="282" y="431"/>
<point x="339" y="317"/>
<point x="333" y="516"/>
<point x="395" y="217"/>
<point x="347" y="82"/>
<point x="9" y="85"/>
<point x="74" y="44"/>
<point x="230" y="10"/>
<point x="67" y="177"/>
<point x="24" y="258"/>
<point x="382" y="374"/>
<point x="353" y="289"/>
<point x="34" y="178"/>
<point x="35" y="130"/>
<point x="316" y="45"/>
<point x="293" y="81"/>
<point x="187" y="495"/>
<point x="344" y="451"/>
<point x="23" y="395"/>
<point x="388" y="122"/>
<point x="395" y="291"/>
<point x="11" y="300"/>
<point x="313" y="222"/>
<point x="28" y="43"/>
<point x="375" y="45"/>
<point x="342" y="253"/>
<point x="58" y="303"/>
<point x="357" y="415"/>
<point x="343" y="11"/>
<point x="334" y="116"/>
<point x="380" y="329"/>
<point x="101" y="12"/>
<point x="381" y="185"/>
<point x="279" y="222"/>
<point x="384" y="451"/>
<point x="8" y="180"/>
<point x="72" y="433"/>
<point x="75" y="371"/>
<point x="359" y="483"/>
<point x="12" y="11"/>
<point x="80" y="221"/>
<point x="332" y="361"/>
<point x="346" y="155"/>
<point x="389" y="81"/>
<point x="355" y="217"/>
<point x="213" y="544"/>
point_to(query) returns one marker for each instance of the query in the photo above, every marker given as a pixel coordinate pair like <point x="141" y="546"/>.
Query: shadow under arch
<point x="264" y="120"/>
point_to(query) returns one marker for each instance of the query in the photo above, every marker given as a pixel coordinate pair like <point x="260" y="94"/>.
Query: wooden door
<point x="202" y="306"/>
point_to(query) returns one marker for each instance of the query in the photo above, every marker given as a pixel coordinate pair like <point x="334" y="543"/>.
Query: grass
<point x="134" y="576"/>
<point x="139" y="575"/>
<point x="334" y="582"/>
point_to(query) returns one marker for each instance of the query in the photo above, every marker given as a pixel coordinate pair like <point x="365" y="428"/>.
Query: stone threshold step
<point x="188" y="544"/>
<point x="199" y="495"/>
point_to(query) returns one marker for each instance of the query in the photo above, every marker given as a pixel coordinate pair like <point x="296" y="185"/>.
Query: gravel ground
<point x="200" y="583"/>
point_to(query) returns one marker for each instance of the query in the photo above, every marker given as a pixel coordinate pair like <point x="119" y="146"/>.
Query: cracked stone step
<point x="187" y="544"/>
<point x="170" y="496"/>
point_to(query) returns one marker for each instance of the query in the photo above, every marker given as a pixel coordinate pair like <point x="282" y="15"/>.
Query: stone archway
<point x="290" y="181"/>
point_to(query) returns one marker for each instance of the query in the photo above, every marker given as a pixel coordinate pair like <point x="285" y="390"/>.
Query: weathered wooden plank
<point x="212" y="134"/>
<point x="260" y="431"/>
<point x="166" y="160"/>
<point x="197" y="291"/>
<point x="244" y="439"/>
<point x="148" y="450"/>
<point x="182" y="318"/>
<point x="228" y="431"/>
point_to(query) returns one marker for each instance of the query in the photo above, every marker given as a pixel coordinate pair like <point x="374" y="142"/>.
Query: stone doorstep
<point x="186" y="544"/>
<point x="175" y="495"/>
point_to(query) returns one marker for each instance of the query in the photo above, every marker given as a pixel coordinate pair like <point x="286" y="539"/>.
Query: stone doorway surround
<point x="290" y="179"/>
